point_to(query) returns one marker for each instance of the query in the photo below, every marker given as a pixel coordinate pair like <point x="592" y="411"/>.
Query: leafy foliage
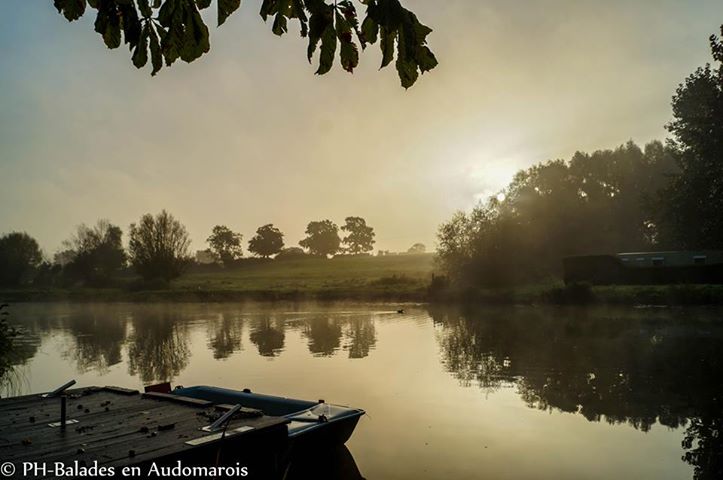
<point x="598" y="203"/>
<point x="96" y="253"/>
<point x="696" y="194"/>
<point x="173" y="29"/>
<point x="7" y="344"/>
<point x="322" y="238"/>
<point x="19" y="256"/>
<point x="159" y="247"/>
<point x="417" y="248"/>
<point x="226" y="244"/>
<point x="268" y="241"/>
<point x="360" y="238"/>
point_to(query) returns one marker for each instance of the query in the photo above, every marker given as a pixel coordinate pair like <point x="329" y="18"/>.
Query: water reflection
<point x="268" y="336"/>
<point x="637" y="368"/>
<point x="324" y="335"/>
<point x="361" y="336"/>
<point x="97" y="339"/>
<point x="225" y="331"/>
<point x="631" y="367"/>
<point x="158" y="347"/>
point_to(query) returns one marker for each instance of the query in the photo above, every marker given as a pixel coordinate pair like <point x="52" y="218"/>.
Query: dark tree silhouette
<point x="323" y="334"/>
<point x="268" y="241"/>
<point x="172" y="29"/>
<point x="158" y="348"/>
<point x="360" y="238"/>
<point x="290" y="253"/>
<point x="96" y="253"/>
<point x="226" y="244"/>
<point x="594" y="203"/>
<point x="225" y="335"/>
<point x="158" y="247"/>
<point x="692" y="205"/>
<point x="417" y="248"/>
<point x="19" y="256"/>
<point x="268" y="336"/>
<point x="632" y="367"/>
<point x="322" y="238"/>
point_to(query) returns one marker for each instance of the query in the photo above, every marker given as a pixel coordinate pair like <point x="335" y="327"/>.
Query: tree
<point x="360" y="238"/>
<point x="268" y="241"/>
<point x="290" y="253"/>
<point x="693" y="203"/>
<point x="19" y="256"/>
<point x="322" y="238"/>
<point x="226" y="244"/>
<point x="174" y="29"/>
<point x="417" y="248"/>
<point x="158" y="247"/>
<point x="592" y="204"/>
<point x="95" y="254"/>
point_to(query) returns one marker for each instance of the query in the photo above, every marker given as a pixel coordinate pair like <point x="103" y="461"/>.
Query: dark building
<point x="646" y="268"/>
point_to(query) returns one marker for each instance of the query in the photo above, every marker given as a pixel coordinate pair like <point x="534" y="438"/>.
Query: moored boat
<point x="310" y="423"/>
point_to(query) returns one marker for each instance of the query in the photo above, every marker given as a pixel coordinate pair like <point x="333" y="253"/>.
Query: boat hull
<point x="311" y="424"/>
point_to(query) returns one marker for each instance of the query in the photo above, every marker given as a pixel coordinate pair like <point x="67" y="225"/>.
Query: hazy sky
<point x="247" y="135"/>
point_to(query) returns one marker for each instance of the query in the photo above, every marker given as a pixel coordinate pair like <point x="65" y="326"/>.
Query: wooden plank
<point x="113" y="423"/>
<point x="196" y="402"/>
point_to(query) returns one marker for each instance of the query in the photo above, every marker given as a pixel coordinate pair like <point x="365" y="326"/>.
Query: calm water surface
<point x="503" y="393"/>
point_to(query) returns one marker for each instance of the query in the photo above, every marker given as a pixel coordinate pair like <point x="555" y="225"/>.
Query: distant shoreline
<point x="545" y="294"/>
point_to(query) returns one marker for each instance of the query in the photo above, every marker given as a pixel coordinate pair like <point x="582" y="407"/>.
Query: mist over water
<point x="535" y="393"/>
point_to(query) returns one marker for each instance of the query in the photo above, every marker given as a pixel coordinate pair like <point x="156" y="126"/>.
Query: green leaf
<point x="280" y="25"/>
<point x="156" y="55"/>
<point x="426" y="59"/>
<point x="328" y="50"/>
<point x="268" y="7"/>
<point x="145" y="8"/>
<point x="140" y="55"/>
<point x="226" y="8"/>
<point x="349" y="56"/>
<point x="387" y="46"/>
<point x="370" y="30"/>
<point x="107" y="23"/>
<point x="319" y="21"/>
<point x="71" y="9"/>
<point x="349" y="52"/>
<point x="201" y="4"/>
<point x="131" y="24"/>
<point x="195" y="35"/>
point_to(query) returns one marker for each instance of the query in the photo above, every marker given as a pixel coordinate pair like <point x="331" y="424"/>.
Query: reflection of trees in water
<point x="633" y="367"/>
<point x="268" y="336"/>
<point x="98" y="336"/>
<point x="224" y="333"/>
<point x="158" y="347"/>
<point x="361" y="336"/>
<point x="323" y="334"/>
<point x="19" y="342"/>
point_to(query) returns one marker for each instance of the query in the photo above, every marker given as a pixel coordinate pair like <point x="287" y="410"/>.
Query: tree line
<point x="159" y="249"/>
<point x="665" y="196"/>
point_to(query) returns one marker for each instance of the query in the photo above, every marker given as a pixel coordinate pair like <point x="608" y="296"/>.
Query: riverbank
<point x="394" y="291"/>
<point x="392" y="278"/>
<point x="557" y="293"/>
<point x="401" y="278"/>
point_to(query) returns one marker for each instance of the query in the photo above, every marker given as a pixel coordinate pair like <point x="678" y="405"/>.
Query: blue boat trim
<point x="312" y="421"/>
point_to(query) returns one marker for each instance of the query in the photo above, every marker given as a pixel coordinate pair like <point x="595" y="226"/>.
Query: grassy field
<point x="398" y="277"/>
<point x="392" y="278"/>
<point x="402" y="274"/>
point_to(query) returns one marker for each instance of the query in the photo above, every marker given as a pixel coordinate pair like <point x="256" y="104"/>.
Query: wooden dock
<point x="114" y="427"/>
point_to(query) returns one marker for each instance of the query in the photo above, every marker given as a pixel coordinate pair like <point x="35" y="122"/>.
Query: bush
<point x="571" y="294"/>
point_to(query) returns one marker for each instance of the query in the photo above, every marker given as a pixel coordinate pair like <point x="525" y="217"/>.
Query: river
<point x="486" y="393"/>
